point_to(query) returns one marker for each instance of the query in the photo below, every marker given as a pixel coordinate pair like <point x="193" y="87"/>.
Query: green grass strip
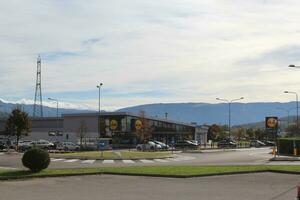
<point x="171" y="171"/>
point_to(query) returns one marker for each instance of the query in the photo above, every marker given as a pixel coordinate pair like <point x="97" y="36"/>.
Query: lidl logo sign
<point x="138" y="124"/>
<point x="113" y="124"/>
<point x="272" y="122"/>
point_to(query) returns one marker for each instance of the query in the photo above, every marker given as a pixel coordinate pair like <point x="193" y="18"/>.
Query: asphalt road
<point x="262" y="186"/>
<point x="253" y="156"/>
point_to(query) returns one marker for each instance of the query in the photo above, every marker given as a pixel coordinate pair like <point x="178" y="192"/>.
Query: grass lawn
<point x="145" y="170"/>
<point x="112" y="155"/>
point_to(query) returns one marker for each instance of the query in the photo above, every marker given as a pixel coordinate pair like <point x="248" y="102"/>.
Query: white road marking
<point x="1" y="153"/>
<point x="71" y="160"/>
<point x="57" y="159"/>
<point x="128" y="161"/>
<point x="174" y="159"/>
<point x="161" y="160"/>
<point x="147" y="161"/>
<point x="8" y="168"/>
<point x="88" y="161"/>
<point x="108" y="161"/>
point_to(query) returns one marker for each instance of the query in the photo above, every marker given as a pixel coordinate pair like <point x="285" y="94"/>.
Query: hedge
<point x="286" y="146"/>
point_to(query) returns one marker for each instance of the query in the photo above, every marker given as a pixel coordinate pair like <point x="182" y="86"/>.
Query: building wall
<point x="73" y="123"/>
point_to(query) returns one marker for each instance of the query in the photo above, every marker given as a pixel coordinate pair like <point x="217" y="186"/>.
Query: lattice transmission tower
<point x="38" y="100"/>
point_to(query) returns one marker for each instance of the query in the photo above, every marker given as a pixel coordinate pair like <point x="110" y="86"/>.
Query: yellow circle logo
<point x="113" y="124"/>
<point x="272" y="122"/>
<point x="138" y="124"/>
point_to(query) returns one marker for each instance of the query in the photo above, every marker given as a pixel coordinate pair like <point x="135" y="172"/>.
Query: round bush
<point x="36" y="159"/>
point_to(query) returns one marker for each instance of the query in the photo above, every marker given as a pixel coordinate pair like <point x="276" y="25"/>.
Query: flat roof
<point x="125" y="113"/>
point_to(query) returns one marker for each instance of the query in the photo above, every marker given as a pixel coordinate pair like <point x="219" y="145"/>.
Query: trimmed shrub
<point x="36" y="159"/>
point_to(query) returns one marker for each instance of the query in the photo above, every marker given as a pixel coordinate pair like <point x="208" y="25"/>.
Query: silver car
<point x="149" y="146"/>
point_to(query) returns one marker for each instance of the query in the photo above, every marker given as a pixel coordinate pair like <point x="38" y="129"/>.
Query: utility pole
<point x="38" y="100"/>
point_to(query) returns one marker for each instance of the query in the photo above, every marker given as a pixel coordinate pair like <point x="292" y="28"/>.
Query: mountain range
<point x="205" y="113"/>
<point x="201" y="113"/>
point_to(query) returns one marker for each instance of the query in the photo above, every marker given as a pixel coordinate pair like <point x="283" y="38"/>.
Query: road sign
<point x="102" y="145"/>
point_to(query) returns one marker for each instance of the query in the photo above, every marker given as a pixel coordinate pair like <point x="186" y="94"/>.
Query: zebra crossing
<point x="138" y="161"/>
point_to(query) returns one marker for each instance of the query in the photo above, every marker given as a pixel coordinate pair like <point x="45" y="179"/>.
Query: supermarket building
<point x="120" y="126"/>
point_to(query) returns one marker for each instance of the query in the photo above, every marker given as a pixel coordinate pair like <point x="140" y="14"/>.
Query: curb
<point x="284" y="159"/>
<point x="148" y="175"/>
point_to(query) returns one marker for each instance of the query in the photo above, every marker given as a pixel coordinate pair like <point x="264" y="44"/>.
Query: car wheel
<point x="152" y="148"/>
<point x="139" y="148"/>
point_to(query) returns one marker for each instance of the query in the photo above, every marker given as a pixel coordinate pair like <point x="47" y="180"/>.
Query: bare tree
<point x="146" y="130"/>
<point x="82" y="132"/>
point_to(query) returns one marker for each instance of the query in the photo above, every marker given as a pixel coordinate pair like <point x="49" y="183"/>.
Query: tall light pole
<point x="288" y="114"/>
<point x="56" y="112"/>
<point x="99" y="108"/>
<point x="229" y="111"/>
<point x="296" y="105"/>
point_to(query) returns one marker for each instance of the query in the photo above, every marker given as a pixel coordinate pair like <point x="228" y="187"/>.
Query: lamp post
<point x="297" y="124"/>
<point x="99" y="109"/>
<point x="56" y="112"/>
<point x="229" y="111"/>
<point x="288" y="114"/>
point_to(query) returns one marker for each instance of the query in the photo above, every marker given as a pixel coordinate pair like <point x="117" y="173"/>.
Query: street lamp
<point x="296" y="105"/>
<point x="229" y="111"/>
<point x="99" y="110"/>
<point x="288" y="114"/>
<point x="56" y="112"/>
<point x="294" y="66"/>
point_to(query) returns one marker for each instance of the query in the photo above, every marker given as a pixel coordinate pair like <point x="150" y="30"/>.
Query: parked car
<point x="24" y="145"/>
<point x="257" y="143"/>
<point x="226" y="144"/>
<point x="185" y="144"/>
<point x="149" y="146"/>
<point x="2" y="146"/>
<point x="43" y="144"/>
<point x="67" y="146"/>
<point x="163" y="145"/>
<point x="269" y="143"/>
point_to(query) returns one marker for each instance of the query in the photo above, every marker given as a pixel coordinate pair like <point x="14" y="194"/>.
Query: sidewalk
<point x="285" y="158"/>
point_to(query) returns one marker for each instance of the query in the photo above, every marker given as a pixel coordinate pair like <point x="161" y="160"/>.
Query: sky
<point x="158" y="51"/>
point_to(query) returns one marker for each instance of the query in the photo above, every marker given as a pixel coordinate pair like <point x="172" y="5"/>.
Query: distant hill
<point x="6" y="108"/>
<point x="204" y="113"/>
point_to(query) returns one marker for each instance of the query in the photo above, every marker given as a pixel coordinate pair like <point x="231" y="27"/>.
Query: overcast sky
<point x="144" y="51"/>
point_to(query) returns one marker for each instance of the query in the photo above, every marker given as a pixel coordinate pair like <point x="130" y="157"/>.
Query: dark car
<point x="186" y="144"/>
<point x="2" y="146"/>
<point x="227" y="144"/>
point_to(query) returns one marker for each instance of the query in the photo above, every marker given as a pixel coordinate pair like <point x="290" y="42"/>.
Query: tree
<point x="250" y="133"/>
<point x="146" y="130"/>
<point x="240" y="133"/>
<point x="213" y="132"/>
<point x="82" y="131"/>
<point x="18" y="124"/>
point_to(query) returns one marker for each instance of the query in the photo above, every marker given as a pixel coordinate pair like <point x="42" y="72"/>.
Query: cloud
<point x="150" y="51"/>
